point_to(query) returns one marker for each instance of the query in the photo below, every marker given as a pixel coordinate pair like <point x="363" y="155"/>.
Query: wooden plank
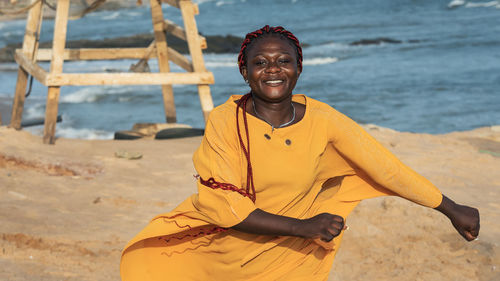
<point x="33" y="24"/>
<point x="96" y="54"/>
<point x="180" y="60"/>
<point x="187" y="12"/>
<point x="59" y="39"/>
<point x="205" y="100"/>
<point x="30" y="67"/>
<point x="49" y="129"/>
<point x="179" y="32"/>
<point x="162" y="55"/>
<point x="192" y="35"/>
<point x="128" y="78"/>
<point x="56" y="67"/>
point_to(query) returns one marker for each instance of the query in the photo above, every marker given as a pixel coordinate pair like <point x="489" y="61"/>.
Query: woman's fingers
<point x="468" y="236"/>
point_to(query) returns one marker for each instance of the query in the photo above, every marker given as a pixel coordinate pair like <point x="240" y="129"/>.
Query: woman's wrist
<point x="446" y="207"/>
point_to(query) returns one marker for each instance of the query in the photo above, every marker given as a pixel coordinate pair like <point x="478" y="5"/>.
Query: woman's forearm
<point x="324" y="226"/>
<point x="264" y="223"/>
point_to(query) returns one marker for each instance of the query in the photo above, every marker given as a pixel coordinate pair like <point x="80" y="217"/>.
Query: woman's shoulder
<point x="223" y="117"/>
<point x="319" y="109"/>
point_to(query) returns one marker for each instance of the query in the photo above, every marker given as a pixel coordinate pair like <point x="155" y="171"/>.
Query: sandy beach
<point x="68" y="209"/>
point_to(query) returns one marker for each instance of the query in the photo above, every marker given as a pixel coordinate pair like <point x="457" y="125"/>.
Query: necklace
<point x="272" y="126"/>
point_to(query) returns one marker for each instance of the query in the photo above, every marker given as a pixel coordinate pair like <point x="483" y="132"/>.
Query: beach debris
<point x="37" y="121"/>
<point x="97" y="200"/>
<point x="128" y="155"/>
<point x="147" y="130"/>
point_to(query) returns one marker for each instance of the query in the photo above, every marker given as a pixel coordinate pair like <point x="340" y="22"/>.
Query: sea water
<point x="444" y="75"/>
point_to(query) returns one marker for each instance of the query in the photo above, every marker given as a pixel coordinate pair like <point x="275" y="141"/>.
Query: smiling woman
<point x="278" y="175"/>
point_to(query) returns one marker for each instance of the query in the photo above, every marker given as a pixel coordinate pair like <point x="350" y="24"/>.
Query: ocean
<point x="439" y="70"/>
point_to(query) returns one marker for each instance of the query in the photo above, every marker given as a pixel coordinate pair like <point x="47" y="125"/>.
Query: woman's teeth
<point x="273" y="82"/>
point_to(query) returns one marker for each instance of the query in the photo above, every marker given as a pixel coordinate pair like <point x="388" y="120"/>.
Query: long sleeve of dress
<point x="218" y="161"/>
<point x="367" y="154"/>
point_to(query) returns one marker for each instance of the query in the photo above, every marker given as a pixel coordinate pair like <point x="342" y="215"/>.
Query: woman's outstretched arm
<point x="465" y="219"/>
<point x="324" y="226"/>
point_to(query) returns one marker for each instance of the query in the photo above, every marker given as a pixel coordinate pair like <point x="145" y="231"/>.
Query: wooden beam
<point x="30" y="66"/>
<point x="56" y="67"/>
<point x="59" y="39"/>
<point x="179" y="32"/>
<point x="205" y="100"/>
<point x="162" y="55"/>
<point x="33" y="25"/>
<point x="96" y="54"/>
<point x="180" y="60"/>
<point x="192" y="36"/>
<point x="49" y="128"/>
<point x="126" y="78"/>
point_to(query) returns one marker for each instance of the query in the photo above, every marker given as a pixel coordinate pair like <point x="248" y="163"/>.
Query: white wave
<point x="318" y="61"/>
<point x="35" y="111"/>
<point x="217" y="64"/>
<point x="482" y="4"/>
<point x="72" y="133"/>
<point x="92" y="94"/>
<point x="111" y="16"/>
<point x="80" y="96"/>
<point x="87" y="134"/>
<point x="455" y="3"/>
<point x="220" y="3"/>
<point x="8" y="67"/>
<point x="199" y="2"/>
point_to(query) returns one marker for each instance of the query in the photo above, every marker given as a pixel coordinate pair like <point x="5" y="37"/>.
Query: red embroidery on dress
<point x="202" y="232"/>
<point x="224" y="186"/>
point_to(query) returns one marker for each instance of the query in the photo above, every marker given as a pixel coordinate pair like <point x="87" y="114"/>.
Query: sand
<point x="67" y="210"/>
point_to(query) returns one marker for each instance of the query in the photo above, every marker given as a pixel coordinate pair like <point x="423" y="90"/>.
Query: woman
<point x="278" y="175"/>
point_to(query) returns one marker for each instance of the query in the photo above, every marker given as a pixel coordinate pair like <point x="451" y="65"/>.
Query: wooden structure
<point x="28" y="56"/>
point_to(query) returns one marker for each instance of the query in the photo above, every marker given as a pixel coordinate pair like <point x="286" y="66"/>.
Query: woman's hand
<point x="465" y="219"/>
<point x="324" y="226"/>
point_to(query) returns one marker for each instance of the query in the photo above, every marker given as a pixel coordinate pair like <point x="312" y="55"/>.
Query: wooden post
<point x="33" y="25"/>
<point x="56" y="66"/>
<point x="188" y="10"/>
<point x="162" y="55"/>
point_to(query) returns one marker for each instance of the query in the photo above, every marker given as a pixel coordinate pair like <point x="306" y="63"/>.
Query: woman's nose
<point x="272" y="67"/>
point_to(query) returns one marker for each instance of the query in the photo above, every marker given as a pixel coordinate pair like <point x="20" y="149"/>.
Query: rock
<point x="376" y="41"/>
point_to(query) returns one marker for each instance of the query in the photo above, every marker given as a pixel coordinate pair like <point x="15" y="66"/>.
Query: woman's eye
<point x="284" y="61"/>
<point x="260" y="62"/>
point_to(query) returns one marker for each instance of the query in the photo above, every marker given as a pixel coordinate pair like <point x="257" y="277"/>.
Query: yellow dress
<point x="290" y="165"/>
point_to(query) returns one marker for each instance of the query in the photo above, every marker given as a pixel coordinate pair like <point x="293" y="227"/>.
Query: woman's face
<point x="271" y="68"/>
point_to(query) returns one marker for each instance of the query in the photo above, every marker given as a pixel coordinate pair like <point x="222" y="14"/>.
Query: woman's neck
<point x="279" y="114"/>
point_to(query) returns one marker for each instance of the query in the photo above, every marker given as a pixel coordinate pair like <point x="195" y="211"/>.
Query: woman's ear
<point x="244" y="73"/>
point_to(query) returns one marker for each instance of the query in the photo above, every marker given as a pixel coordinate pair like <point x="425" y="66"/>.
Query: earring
<point x="246" y="81"/>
